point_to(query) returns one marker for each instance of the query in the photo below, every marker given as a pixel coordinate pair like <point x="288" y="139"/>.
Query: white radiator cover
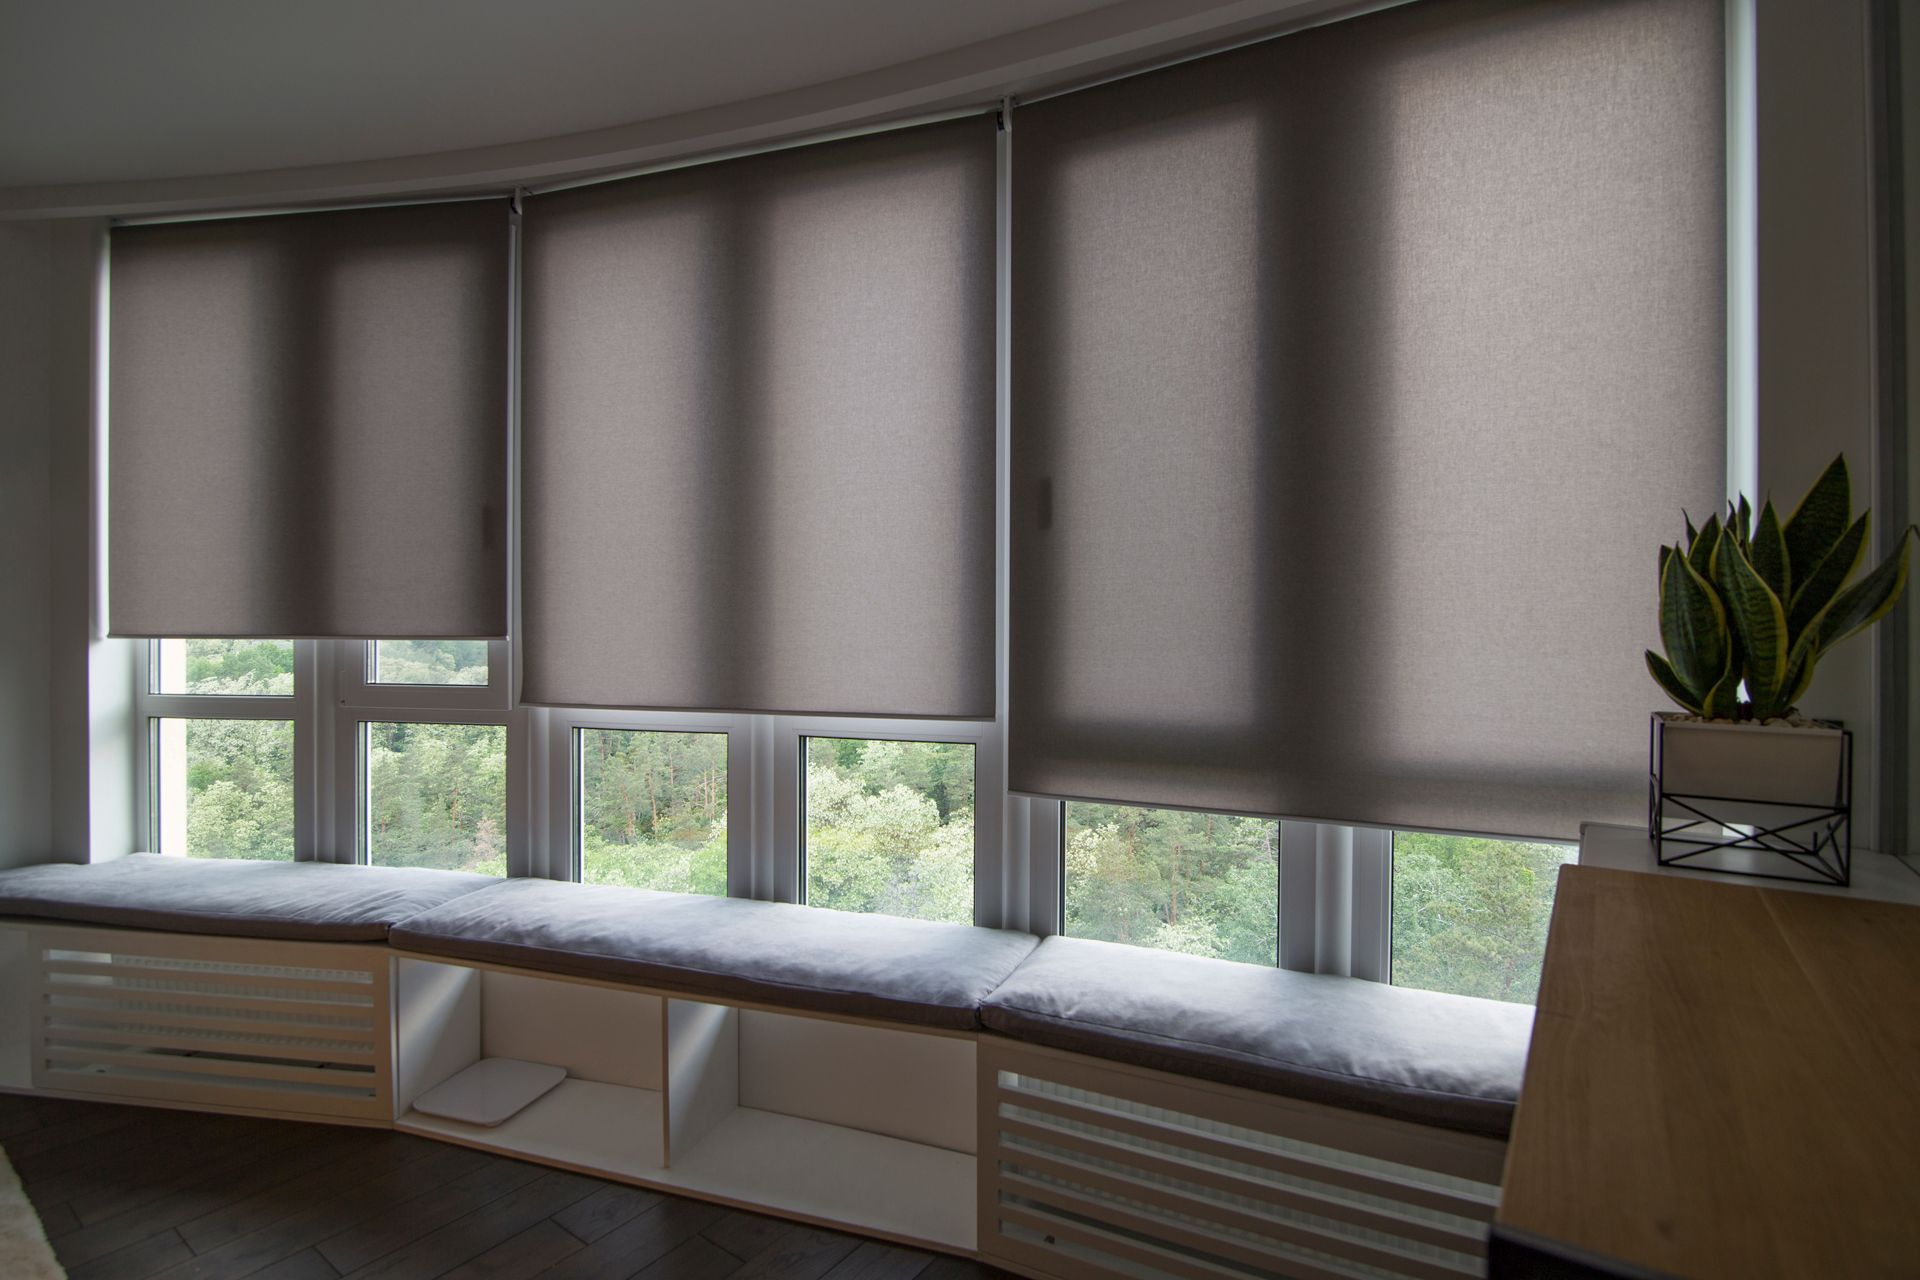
<point x="288" y="1028"/>
<point x="1091" y="1168"/>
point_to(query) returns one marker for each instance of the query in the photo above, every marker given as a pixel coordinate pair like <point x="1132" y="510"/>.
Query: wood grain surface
<point x="1722" y="1081"/>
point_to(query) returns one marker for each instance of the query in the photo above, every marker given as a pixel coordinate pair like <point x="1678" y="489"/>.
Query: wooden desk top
<point x="1724" y="1081"/>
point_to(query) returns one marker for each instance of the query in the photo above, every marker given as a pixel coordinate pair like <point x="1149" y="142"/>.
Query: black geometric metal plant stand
<point x="1766" y="839"/>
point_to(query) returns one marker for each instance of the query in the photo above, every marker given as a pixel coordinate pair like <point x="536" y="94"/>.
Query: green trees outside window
<point x="1470" y="913"/>
<point x="230" y="668"/>
<point x="226" y="788"/>
<point x="1201" y="883"/>
<point x="653" y="810"/>
<point x="430" y="662"/>
<point x="437" y="796"/>
<point x="889" y="827"/>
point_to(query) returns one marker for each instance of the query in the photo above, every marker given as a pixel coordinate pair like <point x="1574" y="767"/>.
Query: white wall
<point x="26" y="707"/>
<point x="66" y="735"/>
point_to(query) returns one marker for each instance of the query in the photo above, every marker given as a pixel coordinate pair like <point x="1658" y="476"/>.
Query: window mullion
<point x="1370" y="905"/>
<point x="777" y="761"/>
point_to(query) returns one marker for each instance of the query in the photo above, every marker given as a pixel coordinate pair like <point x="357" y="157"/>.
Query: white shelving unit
<point x="848" y="1123"/>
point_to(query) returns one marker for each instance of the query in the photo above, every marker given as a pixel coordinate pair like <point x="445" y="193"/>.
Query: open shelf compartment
<point x="604" y="1118"/>
<point x="835" y="1121"/>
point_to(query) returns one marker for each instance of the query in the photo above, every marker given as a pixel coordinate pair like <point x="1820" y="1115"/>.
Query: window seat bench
<point x="1449" y="1061"/>
<point x="1144" y="1111"/>
<point x="863" y="966"/>
<point x="1060" y="1107"/>
<point x="233" y="897"/>
<point x="224" y="984"/>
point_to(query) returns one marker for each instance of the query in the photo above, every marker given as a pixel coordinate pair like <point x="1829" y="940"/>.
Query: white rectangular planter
<point x="1751" y="799"/>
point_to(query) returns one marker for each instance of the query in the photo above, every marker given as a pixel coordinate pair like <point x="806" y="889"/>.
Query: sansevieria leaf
<point x="1801" y="661"/>
<point x="1693" y="626"/>
<point x="1723" y="700"/>
<point x="1867" y="601"/>
<point x="1663" y="675"/>
<point x="1769" y="553"/>
<point x="1700" y="554"/>
<point x="1757" y="615"/>
<point x="1819" y="587"/>
<point x="1822" y="516"/>
<point x="1750" y="604"/>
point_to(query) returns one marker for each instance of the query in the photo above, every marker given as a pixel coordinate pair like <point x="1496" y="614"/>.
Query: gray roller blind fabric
<point x="759" y="433"/>
<point x="1356" y="376"/>
<point x="308" y="424"/>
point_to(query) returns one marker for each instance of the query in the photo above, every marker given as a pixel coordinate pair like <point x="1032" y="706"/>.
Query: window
<point x="1202" y="883"/>
<point x="1470" y="913"/>
<point x="653" y="809"/>
<point x="216" y="759"/>
<point x="224" y="787"/>
<point x="436" y="795"/>
<point x="889" y="827"/>
<point x="224" y="668"/>
<point x="427" y="662"/>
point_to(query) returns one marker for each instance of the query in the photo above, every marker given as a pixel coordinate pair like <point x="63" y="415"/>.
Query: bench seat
<point x="1443" y="1060"/>
<point x="806" y="958"/>
<point x="294" y="901"/>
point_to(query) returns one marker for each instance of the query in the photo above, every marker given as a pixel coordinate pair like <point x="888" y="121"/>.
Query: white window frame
<point x="358" y="702"/>
<point x="560" y="732"/>
<point x="151" y="706"/>
<point x="787" y="852"/>
<point x="357" y="686"/>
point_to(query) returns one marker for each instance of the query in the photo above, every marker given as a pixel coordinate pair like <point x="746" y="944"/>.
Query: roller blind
<point x="307" y="430"/>
<point x="759" y="433"/>
<point x="1356" y="377"/>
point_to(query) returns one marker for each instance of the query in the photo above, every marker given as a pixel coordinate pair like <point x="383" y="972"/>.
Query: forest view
<point x="1200" y="883"/>
<point x="1470" y="913"/>
<point x="653" y="810"/>
<point x="888" y="828"/>
<point x="236" y="775"/>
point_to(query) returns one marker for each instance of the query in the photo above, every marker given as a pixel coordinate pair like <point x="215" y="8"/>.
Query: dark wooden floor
<point x="132" y="1192"/>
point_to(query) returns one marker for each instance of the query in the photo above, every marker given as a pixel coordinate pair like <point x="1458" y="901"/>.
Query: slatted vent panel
<point x="282" y="1027"/>
<point x="1083" y="1181"/>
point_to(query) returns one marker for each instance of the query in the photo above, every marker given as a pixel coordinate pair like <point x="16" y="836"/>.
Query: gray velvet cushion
<point x="303" y="901"/>
<point x="765" y="952"/>
<point x="1422" y="1056"/>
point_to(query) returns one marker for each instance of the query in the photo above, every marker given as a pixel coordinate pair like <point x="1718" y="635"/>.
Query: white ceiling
<point x="120" y="90"/>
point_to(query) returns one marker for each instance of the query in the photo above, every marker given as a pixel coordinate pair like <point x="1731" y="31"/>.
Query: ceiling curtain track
<point x="1356" y="376"/>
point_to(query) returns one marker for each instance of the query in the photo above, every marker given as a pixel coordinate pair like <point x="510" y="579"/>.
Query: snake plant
<point x="1748" y="606"/>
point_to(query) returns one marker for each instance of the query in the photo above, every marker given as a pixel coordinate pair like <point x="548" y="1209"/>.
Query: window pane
<point x="224" y="788"/>
<point x="653" y="810"/>
<point x="461" y="662"/>
<point x="437" y="796"/>
<point x="232" y="667"/>
<point x="1203" y="883"/>
<point x="890" y="827"/>
<point x="1470" y="913"/>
